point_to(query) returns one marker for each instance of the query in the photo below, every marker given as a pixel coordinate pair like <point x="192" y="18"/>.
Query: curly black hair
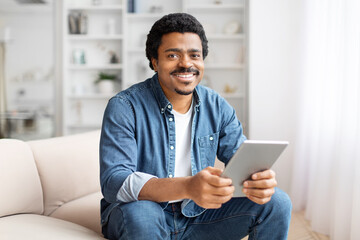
<point x="174" y="22"/>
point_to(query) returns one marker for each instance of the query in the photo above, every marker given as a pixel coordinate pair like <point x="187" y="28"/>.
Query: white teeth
<point x="185" y="76"/>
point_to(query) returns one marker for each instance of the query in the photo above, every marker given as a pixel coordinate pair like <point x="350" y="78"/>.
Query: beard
<point x="184" y="92"/>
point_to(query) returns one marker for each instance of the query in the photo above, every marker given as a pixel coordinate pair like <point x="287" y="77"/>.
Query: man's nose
<point x="185" y="62"/>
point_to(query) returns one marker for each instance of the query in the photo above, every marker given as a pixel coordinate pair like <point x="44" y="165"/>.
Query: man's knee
<point x="142" y="212"/>
<point x="281" y="204"/>
<point x="140" y="218"/>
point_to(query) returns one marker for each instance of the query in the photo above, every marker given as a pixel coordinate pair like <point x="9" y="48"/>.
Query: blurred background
<point x="289" y="68"/>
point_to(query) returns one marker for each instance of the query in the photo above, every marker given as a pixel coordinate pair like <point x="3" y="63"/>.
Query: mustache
<point x="186" y="70"/>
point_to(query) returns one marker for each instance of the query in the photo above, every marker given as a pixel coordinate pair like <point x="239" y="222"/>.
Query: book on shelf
<point x="131" y="6"/>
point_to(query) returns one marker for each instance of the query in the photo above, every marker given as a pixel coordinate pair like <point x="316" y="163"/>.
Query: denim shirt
<point x="138" y="139"/>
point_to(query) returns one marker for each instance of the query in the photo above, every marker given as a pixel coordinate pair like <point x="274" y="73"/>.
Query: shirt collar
<point x="164" y="103"/>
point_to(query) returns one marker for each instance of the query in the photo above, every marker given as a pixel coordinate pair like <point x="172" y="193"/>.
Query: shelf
<point x="84" y="126"/>
<point x="220" y="36"/>
<point x="136" y="50"/>
<point x="232" y="95"/>
<point x="95" y="37"/>
<point x="27" y="8"/>
<point x="224" y="66"/>
<point x="205" y="7"/>
<point x="91" y="96"/>
<point x="96" y="67"/>
<point x="96" y="8"/>
<point x="144" y="15"/>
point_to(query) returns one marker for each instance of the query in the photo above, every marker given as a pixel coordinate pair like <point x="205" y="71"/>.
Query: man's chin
<point x="181" y="92"/>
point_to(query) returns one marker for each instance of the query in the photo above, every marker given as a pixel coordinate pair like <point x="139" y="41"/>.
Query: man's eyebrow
<point x="179" y="50"/>
<point x="173" y="50"/>
<point x="194" y="50"/>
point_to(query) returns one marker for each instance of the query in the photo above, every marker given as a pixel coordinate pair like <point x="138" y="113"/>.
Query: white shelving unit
<point x="225" y="23"/>
<point x="83" y="104"/>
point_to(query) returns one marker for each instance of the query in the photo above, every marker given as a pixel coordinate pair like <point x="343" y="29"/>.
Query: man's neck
<point x="181" y="103"/>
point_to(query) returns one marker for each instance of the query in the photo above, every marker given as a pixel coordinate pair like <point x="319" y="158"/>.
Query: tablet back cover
<point x="251" y="157"/>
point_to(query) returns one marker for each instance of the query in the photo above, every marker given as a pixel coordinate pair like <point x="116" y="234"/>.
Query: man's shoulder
<point x="137" y="91"/>
<point x="207" y="94"/>
<point x="213" y="102"/>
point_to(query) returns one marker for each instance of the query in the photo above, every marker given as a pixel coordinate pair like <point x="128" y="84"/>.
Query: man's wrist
<point x="187" y="187"/>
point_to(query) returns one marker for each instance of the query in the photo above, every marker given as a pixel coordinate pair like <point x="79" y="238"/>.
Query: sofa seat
<point x="81" y="211"/>
<point x="40" y="227"/>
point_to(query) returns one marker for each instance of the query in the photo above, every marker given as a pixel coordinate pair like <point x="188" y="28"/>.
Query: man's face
<point x="180" y="63"/>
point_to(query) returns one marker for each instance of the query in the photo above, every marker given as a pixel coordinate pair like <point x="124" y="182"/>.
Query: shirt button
<point x="169" y="106"/>
<point x="171" y="147"/>
<point x="170" y="175"/>
<point x="211" y="138"/>
<point x="162" y="109"/>
<point x="171" y="119"/>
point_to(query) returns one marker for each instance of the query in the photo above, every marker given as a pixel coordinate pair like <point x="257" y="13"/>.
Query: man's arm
<point x="118" y="153"/>
<point x="207" y="189"/>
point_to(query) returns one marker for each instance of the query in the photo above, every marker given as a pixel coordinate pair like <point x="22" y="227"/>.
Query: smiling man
<point x="158" y="146"/>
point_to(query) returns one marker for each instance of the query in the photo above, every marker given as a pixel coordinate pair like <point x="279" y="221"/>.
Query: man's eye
<point x="172" y="56"/>
<point x="195" y="56"/>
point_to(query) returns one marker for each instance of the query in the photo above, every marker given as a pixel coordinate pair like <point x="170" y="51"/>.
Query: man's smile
<point x="185" y="75"/>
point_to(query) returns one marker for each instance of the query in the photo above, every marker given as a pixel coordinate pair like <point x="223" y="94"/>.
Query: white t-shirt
<point x="183" y="123"/>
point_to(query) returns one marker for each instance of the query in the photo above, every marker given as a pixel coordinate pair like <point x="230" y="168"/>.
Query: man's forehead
<point x="187" y="40"/>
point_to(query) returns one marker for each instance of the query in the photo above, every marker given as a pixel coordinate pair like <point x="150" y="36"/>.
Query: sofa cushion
<point x="39" y="227"/>
<point x="84" y="211"/>
<point x="68" y="167"/>
<point x="19" y="180"/>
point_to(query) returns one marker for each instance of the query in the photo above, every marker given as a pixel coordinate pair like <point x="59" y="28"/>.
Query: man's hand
<point x="261" y="187"/>
<point x="208" y="189"/>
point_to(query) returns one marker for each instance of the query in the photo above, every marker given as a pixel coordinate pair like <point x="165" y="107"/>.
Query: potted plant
<point x="105" y="82"/>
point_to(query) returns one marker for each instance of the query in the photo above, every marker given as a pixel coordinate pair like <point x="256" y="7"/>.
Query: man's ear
<point x="154" y="63"/>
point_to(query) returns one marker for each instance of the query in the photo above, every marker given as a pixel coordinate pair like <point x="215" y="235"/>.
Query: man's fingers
<point x="260" y="201"/>
<point x="220" y="191"/>
<point x="267" y="174"/>
<point x="214" y="171"/>
<point x="214" y="178"/>
<point x="262" y="184"/>
<point x="224" y="191"/>
<point x="215" y="200"/>
<point x="219" y="181"/>
<point x="219" y="199"/>
<point x="259" y="193"/>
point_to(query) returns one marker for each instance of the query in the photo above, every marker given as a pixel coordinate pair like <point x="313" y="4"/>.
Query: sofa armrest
<point x="19" y="180"/>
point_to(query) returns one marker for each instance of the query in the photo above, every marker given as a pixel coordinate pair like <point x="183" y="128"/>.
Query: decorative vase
<point x="106" y="86"/>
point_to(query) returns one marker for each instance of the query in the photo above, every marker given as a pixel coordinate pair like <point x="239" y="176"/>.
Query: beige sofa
<point x="50" y="188"/>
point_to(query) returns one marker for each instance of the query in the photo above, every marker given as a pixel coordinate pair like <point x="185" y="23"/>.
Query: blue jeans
<point x="234" y="220"/>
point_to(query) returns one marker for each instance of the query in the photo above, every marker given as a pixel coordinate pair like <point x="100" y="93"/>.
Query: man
<point x="158" y="145"/>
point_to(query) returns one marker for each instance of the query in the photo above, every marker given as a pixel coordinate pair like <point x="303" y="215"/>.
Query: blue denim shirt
<point x="138" y="139"/>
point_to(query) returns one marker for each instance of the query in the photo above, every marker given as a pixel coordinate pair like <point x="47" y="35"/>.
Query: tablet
<point x="251" y="157"/>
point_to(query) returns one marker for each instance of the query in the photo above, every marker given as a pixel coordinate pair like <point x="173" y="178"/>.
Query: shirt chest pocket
<point x="208" y="147"/>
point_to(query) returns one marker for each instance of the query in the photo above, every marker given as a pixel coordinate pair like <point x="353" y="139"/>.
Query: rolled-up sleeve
<point x="132" y="186"/>
<point x="118" y="154"/>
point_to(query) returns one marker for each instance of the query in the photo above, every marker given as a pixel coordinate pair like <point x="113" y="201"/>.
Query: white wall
<point x="29" y="59"/>
<point x="274" y="57"/>
<point x="29" y="66"/>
